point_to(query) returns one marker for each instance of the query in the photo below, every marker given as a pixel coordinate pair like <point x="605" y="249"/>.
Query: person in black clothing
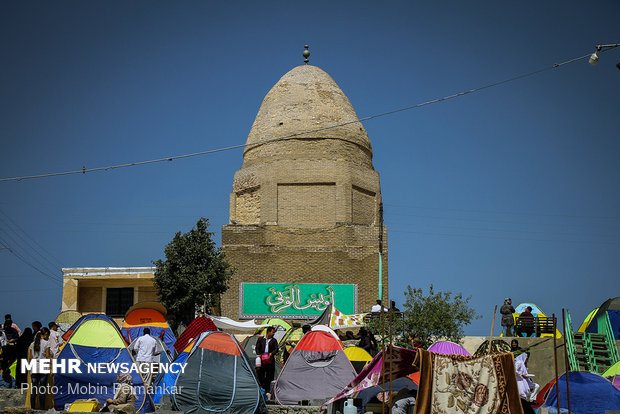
<point x="266" y="348"/>
<point x="9" y="351"/>
<point x="36" y="327"/>
<point x="368" y="342"/>
<point x="23" y="343"/>
<point x="507" y="319"/>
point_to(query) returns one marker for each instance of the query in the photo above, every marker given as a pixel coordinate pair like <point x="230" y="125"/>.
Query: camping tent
<point x="589" y="394"/>
<point x="399" y="363"/>
<point x="448" y="348"/>
<point x="536" y="311"/>
<point x="65" y="319"/>
<point x="317" y="369"/>
<point x="281" y="326"/>
<point x="369" y="394"/>
<point x="164" y="385"/>
<point x="196" y="327"/>
<point x="96" y="340"/>
<point x="82" y="319"/>
<point x="249" y="345"/>
<point x="290" y="339"/>
<point x="613" y="374"/>
<point x="358" y="357"/>
<point x="586" y="321"/>
<point x="612" y="308"/>
<point x="150" y="315"/>
<point x="224" y="323"/>
<point x="328" y="330"/>
<point x="218" y="378"/>
<point x="162" y="354"/>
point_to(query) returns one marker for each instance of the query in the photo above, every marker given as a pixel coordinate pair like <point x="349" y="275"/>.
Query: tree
<point x="435" y="317"/>
<point x="193" y="275"/>
<point x="438" y="316"/>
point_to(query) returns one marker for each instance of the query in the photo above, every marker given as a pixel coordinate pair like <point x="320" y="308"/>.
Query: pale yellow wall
<point x="84" y="289"/>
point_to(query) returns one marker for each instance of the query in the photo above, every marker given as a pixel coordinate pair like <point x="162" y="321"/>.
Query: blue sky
<point x="510" y="191"/>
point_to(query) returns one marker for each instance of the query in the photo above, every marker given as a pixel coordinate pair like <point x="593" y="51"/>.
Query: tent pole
<point x="383" y="358"/>
<point x="492" y="329"/>
<point x="555" y="360"/>
<point x="391" y="314"/>
<point x="566" y="359"/>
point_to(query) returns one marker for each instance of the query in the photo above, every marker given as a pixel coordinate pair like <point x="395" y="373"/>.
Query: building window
<point x="118" y="301"/>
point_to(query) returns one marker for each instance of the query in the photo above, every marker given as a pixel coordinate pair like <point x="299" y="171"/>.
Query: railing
<point x="605" y="324"/>
<point x="570" y="344"/>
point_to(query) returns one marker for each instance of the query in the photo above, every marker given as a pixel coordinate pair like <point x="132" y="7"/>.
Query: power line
<point x="17" y="247"/>
<point x="516" y="213"/>
<point x="22" y="259"/>
<point x="505" y="238"/>
<point x="57" y="264"/>
<point x="85" y="170"/>
<point x="482" y="229"/>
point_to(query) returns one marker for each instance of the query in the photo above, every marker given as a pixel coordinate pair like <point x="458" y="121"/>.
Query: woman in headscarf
<point x="124" y="398"/>
<point x="23" y="343"/>
<point x="507" y="319"/>
<point x="527" y="388"/>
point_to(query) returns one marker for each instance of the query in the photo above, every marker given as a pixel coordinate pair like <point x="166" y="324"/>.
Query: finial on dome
<point x="306" y="54"/>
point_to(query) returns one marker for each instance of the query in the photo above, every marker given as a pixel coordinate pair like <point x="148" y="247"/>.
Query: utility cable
<point x="18" y="248"/>
<point x="54" y="265"/>
<point x="57" y="280"/>
<point x="85" y="170"/>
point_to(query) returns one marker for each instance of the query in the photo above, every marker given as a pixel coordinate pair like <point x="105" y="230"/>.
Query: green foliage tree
<point x="438" y="316"/>
<point x="193" y="276"/>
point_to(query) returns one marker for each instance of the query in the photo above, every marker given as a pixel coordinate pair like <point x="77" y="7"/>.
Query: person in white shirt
<point x="378" y="307"/>
<point x="55" y="339"/>
<point x="145" y="349"/>
<point x="39" y="350"/>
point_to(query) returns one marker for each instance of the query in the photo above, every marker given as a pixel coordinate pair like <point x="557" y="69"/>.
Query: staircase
<point x="593" y="352"/>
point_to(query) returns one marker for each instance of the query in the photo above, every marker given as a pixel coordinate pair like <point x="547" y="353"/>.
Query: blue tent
<point x="96" y="340"/>
<point x="163" y="385"/>
<point x="612" y="308"/>
<point x="67" y="334"/>
<point x="150" y="315"/>
<point x="589" y="394"/>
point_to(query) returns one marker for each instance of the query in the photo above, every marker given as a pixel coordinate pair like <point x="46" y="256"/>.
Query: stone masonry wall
<point x="344" y="254"/>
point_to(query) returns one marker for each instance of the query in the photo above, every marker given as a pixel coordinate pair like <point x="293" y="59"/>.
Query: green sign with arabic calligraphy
<point x="295" y="300"/>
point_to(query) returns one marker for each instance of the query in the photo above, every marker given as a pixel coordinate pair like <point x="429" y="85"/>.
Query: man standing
<point x="55" y="339"/>
<point x="266" y="348"/>
<point x="507" y="319"/>
<point x="145" y="349"/>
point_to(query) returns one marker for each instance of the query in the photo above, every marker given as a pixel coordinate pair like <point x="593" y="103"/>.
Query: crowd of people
<point x="34" y="343"/>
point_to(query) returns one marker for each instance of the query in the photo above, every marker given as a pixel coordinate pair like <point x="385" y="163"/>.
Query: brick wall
<point x="307" y="205"/>
<point x="345" y="253"/>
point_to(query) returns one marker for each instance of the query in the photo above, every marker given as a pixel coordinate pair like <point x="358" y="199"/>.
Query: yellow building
<point x="109" y="290"/>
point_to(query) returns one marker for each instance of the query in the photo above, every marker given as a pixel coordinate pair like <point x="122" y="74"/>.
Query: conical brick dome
<point x="307" y="99"/>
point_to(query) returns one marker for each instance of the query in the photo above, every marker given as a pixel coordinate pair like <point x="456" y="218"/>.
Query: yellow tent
<point x="587" y="321"/>
<point x="358" y="357"/>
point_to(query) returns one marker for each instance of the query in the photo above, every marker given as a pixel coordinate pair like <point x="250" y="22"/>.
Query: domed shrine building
<point x="305" y="223"/>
